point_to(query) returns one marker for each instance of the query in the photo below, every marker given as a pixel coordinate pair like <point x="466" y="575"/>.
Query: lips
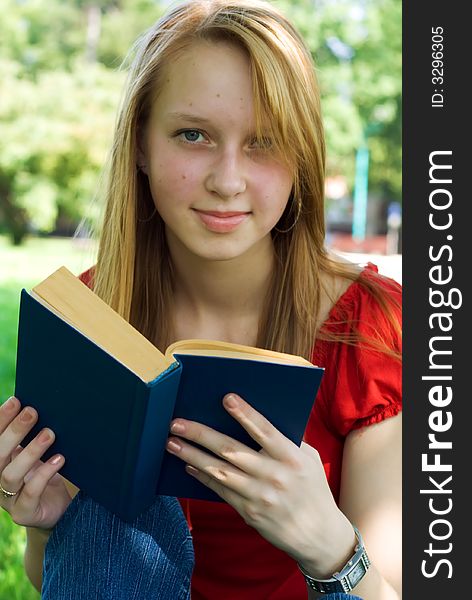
<point x="222" y="221"/>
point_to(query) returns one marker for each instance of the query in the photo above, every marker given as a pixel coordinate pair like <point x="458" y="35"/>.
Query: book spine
<point x="148" y="433"/>
<point x="129" y="496"/>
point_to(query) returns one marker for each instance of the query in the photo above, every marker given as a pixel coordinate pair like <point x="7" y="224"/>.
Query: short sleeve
<point x="361" y="385"/>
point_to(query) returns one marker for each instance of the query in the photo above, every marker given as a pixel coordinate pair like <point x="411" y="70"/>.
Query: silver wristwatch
<point x="348" y="577"/>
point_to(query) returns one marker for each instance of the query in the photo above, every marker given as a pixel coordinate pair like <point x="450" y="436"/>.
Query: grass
<point x="20" y="267"/>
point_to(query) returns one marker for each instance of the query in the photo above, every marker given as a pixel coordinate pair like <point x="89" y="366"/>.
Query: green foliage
<point x="378" y="76"/>
<point x="121" y="27"/>
<point x="357" y="49"/>
<point x="13" y="582"/>
<point x="58" y="129"/>
<point x="37" y="37"/>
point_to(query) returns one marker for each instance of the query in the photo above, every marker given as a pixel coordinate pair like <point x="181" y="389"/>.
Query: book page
<point x="229" y="350"/>
<point x="70" y="299"/>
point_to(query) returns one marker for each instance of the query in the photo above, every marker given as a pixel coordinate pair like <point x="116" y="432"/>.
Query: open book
<point x="110" y="395"/>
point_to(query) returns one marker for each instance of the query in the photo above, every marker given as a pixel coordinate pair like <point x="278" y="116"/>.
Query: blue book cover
<point x="112" y="426"/>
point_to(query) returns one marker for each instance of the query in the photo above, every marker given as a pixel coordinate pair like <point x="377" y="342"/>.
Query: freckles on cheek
<point x="175" y="183"/>
<point x="182" y="179"/>
<point x="186" y="176"/>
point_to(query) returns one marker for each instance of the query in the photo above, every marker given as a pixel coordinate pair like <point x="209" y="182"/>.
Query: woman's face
<point x="218" y="192"/>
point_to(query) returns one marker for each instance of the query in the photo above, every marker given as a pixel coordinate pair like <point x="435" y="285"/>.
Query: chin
<point x="221" y="251"/>
<point x="221" y="256"/>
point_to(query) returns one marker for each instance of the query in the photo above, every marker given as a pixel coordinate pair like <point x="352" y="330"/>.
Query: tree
<point x="58" y="130"/>
<point x="356" y="46"/>
<point x="59" y="105"/>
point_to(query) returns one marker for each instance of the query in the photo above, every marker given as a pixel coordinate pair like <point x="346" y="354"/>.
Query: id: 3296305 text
<point x="437" y="66"/>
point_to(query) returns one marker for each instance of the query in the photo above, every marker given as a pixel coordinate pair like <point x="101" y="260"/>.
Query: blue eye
<point x="191" y="135"/>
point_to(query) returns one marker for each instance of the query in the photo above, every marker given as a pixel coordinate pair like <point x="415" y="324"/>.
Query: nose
<point x="226" y="177"/>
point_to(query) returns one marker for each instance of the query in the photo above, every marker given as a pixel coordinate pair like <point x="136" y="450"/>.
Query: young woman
<point x="214" y="228"/>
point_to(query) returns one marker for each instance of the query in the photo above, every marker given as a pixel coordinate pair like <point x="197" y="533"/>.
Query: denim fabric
<point x="340" y="596"/>
<point x="93" y="555"/>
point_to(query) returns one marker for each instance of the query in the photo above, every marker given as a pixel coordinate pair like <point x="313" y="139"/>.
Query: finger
<point x="16" y="452"/>
<point x="224" y="492"/>
<point x="222" y="472"/>
<point x="13" y="474"/>
<point x="36" y="482"/>
<point x="8" y="411"/>
<point x="274" y="443"/>
<point x="15" y="432"/>
<point x="239" y="455"/>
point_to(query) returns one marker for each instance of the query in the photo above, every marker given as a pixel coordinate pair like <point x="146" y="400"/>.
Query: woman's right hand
<point x="41" y="495"/>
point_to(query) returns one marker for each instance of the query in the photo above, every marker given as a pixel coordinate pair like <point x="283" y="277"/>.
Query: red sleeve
<point x="361" y="385"/>
<point x="87" y="277"/>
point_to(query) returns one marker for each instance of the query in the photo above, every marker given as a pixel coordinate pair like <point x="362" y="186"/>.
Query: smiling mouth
<point x="221" y="222"/>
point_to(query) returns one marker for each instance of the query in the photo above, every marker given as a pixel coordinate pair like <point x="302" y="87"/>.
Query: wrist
<point x="345" y="578"/>
<point x="39" y="533"/>
<point x="337" y="550"/>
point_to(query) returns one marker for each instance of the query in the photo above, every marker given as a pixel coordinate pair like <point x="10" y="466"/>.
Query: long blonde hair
<point x="134" y="271"/>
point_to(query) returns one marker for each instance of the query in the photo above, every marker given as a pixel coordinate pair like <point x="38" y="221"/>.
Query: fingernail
<point x="177" y="427"/>
<point x="231" y="401"/>
<point x="55" y="460"/>
<point x="10" y="404"/>
<point x="191" y="470"/>
<point x="26" y="415"/>
<point x="45" y="436"/>
<point x="174" y="446"/>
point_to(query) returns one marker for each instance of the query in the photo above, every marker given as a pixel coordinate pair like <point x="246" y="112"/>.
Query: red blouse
<point x="359" y="387"/>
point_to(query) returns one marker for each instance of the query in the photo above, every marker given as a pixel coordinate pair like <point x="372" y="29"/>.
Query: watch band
<point x="348" y="577"/>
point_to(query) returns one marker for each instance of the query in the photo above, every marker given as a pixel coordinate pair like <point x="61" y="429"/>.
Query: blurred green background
<point x="60" y="82"/>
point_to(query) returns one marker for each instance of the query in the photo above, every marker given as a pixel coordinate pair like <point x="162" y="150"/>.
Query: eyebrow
<point x="188" y="117"/>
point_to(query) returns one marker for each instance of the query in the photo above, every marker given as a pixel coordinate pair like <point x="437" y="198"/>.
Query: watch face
<point x="356" y="574"/>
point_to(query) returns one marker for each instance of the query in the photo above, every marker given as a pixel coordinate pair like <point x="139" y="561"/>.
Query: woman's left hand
<point x="281" y="490"/>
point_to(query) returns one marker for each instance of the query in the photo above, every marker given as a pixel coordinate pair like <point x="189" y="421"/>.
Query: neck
<point x="222" y="288"/>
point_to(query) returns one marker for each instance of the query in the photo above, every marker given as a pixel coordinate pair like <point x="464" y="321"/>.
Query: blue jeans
<point x="340" y="596"/>
<point x="93" y="555"/>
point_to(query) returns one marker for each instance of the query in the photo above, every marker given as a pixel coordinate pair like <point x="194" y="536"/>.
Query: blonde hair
<point x="134" y="271"/>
